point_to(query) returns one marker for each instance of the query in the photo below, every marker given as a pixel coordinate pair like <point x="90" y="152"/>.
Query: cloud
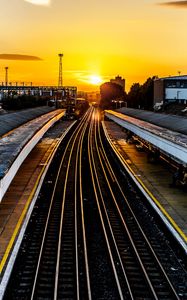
<point x="178" y="4"/>
<point x="18" y="57"/>
<point x="39" y="2"/>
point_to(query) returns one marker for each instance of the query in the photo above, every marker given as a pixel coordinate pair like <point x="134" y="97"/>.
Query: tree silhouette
<point x="141" y="96"/>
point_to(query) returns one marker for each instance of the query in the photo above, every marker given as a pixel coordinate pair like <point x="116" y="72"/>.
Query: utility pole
<point x="6" y="76"/>
<point x="60" y="70"/>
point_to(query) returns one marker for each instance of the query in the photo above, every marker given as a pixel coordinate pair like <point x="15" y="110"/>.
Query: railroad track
<point x="52" y="261"/>
<point x="87" y="238"/>
<point x="140" y="268"/>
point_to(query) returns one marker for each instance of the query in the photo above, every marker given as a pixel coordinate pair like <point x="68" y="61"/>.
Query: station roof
<point x="171" y="122"/>
<point x="179" y="77"/>
<point x="9" y="121"/>
<point x="12" y="143"/>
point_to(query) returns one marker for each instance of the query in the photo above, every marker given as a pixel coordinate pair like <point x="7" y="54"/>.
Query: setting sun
<point x="95" y="79"/>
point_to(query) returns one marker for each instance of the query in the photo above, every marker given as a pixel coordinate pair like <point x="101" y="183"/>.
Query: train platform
<point x="172" y="202"/>
<point x="17" y="144"/>
<point x="165" y="140"/>
<point x="18" y="200"/>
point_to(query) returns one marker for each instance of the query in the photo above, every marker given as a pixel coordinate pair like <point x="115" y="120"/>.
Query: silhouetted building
<point x="118" y="80"/>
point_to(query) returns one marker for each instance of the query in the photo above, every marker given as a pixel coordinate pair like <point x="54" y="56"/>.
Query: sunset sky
<point x="134" y="39"/>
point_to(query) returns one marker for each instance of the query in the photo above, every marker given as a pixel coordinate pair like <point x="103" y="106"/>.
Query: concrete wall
<point x="158" y="91"/>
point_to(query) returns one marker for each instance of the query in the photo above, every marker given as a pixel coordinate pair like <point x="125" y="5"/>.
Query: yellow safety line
<point x="182" y="234"/>
<point x="11" y="242"/>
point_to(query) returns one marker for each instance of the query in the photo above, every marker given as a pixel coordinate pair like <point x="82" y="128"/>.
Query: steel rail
<point x="83" y="223"/>
<point x="50" y="207"/>
<point x="78" y="171"/>
<point x="105" y="209"/>
<point x="125" y="226"/>
<point x="93" y="171"/>
<point x="75" y="212"/>
<point x="138" y="224"/>
<point x="62" y="218"/>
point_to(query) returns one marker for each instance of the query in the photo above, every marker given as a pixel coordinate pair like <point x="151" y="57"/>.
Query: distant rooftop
<point x="181" y="77"/>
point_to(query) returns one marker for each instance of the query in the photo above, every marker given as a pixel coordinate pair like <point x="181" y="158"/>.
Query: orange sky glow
<point x="99" y="39"/>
